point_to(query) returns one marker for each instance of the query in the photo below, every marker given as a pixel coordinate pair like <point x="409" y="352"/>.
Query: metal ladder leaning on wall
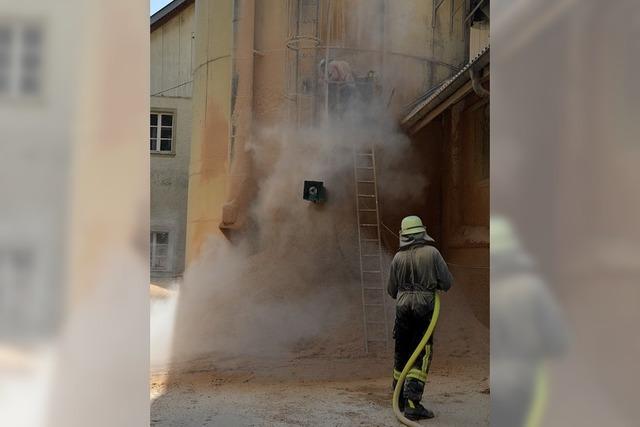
<point x="370" y="249"/>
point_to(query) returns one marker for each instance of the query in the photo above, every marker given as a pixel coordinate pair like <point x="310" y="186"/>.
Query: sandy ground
<point x="311" y="391"/>
<point x="327" y="380"/>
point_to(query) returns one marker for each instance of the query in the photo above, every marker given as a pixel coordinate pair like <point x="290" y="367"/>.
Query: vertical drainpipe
<point x="234" y="211"/>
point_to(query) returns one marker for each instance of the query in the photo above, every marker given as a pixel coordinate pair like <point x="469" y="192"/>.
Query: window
<point x="159" y="245"/>
<point x="161" y="132"/>
<point x="20" y="59"/>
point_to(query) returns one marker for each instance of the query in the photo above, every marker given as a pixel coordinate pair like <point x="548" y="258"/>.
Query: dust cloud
<point x="291" y="282"/>
<point x="162" y="315"/>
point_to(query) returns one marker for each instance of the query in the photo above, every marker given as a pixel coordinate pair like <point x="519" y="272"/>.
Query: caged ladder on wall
<point x="370" y="248"/>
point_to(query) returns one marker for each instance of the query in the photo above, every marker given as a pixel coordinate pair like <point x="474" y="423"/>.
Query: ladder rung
<point x="368" y="210"/>
<point x="371" y="271"/>
<point x="367" y="195"/>
<point x="364" y="167"/>
<point x="370" y="254"/>
<point x="369" y="240"/>
<point x="364" y="154"/>
<point x="368" y="225"/>
<point x="364" y="288"/>
<point x="365" y="181"/>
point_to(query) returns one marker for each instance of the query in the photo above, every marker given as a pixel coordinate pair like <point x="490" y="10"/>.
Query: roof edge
<point x="167" y="12"/>
<point x="445" y="90"/>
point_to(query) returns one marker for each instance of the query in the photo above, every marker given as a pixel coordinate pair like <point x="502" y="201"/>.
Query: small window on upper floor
<point x="21" y="62"/>
<point x="161" y="137"/>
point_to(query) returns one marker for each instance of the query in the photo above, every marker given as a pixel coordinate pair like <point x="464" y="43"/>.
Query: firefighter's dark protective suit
<point x="416" y="272"/>
<point x="527" y="330"/>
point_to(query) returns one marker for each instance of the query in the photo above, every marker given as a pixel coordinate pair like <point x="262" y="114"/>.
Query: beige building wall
<point x="209" y="164"/>
<point x="172" y="50"/>
<point x="171" y="84"/>
<point x="409" y="45"/>
<point x="170" y="182"/>
<point x="423" y="46"/>
<point x="478" y="38"/>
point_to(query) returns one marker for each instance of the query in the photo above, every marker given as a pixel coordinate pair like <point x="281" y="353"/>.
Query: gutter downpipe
<point x="476" y="85"/>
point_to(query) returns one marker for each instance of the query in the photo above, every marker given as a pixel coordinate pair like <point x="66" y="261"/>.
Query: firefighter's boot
<point x="415" y="411"/>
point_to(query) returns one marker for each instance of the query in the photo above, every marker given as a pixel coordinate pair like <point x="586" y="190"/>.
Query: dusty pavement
<point x="315" y="391"/>
<point x="326" y="381"/>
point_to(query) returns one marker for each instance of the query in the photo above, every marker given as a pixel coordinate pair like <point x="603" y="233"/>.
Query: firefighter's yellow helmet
<point x="411" y="225"/>
<point x="503" y="236"/>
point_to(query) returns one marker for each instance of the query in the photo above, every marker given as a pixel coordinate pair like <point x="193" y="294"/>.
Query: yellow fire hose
<point x="396" y="392"/>
<point x="539" y="401"/>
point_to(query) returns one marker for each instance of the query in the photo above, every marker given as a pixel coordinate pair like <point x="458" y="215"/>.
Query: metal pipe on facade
<point x="476" y="84"/>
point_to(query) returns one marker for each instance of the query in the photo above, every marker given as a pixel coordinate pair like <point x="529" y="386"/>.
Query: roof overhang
<point x="167" y="12"/>
<point x="449" y="92"/>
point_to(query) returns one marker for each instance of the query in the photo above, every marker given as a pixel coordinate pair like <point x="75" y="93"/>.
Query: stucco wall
<point x="208" y="170"/>
<point x="169" y="182"/>
<point x="478" y="38"/>
<point x="171" y="59"/>
<point x="172" y="51"/>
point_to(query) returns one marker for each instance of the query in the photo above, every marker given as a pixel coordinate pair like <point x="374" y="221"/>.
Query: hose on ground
<point x="396" y="392"/>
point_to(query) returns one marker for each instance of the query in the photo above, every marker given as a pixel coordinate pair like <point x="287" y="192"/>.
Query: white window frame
<point x="153" y="247"/>
<point x="158" y="126"/>
<point x="16" y="72"/>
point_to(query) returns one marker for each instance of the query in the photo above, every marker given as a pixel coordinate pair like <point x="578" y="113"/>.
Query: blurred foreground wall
<point x="564" y="176"/>
<point x="74" y="213"/>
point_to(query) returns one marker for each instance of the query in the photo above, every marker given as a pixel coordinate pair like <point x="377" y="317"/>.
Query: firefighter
<point x="527" y="330"/>
<point x="341" y="84"/>
<point x="416" y="273"/>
